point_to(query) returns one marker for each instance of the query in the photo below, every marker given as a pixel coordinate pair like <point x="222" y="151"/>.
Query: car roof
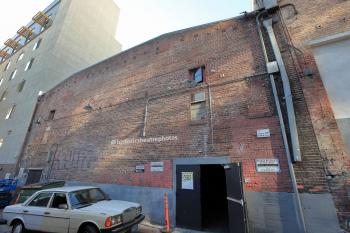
<point x="68" y="188"/>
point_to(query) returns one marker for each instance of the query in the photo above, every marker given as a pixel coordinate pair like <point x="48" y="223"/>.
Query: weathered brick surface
<point x="324" y="146"/>
<point x="155" y="74"/>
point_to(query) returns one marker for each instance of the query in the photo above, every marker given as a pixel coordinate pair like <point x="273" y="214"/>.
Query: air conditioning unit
<point x="264" y="4"/>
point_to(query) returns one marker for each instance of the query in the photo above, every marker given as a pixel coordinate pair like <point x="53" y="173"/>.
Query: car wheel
<point x="89" y="229"/>
<point x="18" y="227"/>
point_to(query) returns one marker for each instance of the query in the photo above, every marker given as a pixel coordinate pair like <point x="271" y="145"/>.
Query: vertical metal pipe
<point x="298" y="204"/>
<point x="211" y="116"/>
<point x="287" y="91"/>
<point x="301" y="218"/>
<point x="145" y="119"/>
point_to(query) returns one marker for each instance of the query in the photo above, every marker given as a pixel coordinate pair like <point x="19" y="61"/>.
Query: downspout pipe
<point x="287" y="91"/>
<point x="299" y="210"/>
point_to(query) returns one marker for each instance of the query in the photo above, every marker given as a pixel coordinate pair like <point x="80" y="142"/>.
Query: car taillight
<point x="108" y="222"/>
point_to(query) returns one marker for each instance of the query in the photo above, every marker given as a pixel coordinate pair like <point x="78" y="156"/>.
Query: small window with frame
<point x="3" y="96"/>
<point x="10" y="112"/>
<point x="197" y="74"/>
<point x="13" y="74"/>
<point x="52" y="115"/>
<point x="20" y="86"/>
<point x="37" y="44"/>
<point x="29" y="64"/>
<point x="7" y="66"/>
<point x="20" y="57"/>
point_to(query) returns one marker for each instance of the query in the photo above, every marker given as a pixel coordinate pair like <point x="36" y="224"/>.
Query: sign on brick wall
<point x="267" y="165"/>
<point x="157" y="166"/>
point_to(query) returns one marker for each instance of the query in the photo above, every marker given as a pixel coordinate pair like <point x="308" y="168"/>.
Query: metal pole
<point x="298" y="204"/>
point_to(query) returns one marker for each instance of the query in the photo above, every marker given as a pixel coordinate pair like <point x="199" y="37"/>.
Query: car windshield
<point x="86" y="197"/>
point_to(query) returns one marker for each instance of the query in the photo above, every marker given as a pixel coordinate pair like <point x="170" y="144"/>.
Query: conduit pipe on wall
<point x="298" y="210"/>
<point x="287" y="91"/>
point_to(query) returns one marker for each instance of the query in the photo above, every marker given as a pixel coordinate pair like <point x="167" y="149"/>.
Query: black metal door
<point x="33" y="176"/>
<point x="188" y="197"/>
<point x="235" y="198"/>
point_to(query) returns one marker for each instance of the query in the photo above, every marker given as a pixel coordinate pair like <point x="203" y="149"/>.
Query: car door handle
<point x="25" y="211"/>
<point x="46" y="212"/>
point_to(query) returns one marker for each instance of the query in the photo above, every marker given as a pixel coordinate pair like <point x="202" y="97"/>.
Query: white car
<point x="73" y="209"/>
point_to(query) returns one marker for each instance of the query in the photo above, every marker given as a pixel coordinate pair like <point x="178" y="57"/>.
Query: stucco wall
<point x="333" y="63"/>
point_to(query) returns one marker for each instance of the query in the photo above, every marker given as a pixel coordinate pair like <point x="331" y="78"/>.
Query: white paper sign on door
<point x="187" y="180"/>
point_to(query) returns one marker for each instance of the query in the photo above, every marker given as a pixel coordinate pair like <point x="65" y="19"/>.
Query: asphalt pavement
<point x="144" y="227"/>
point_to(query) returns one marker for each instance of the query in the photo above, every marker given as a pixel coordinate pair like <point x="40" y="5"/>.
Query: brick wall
<point x="324" y="146"/>
<point x="155" y="75"/>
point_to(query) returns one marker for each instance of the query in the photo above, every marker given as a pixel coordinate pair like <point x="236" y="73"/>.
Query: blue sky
<point x="140" y="20"/>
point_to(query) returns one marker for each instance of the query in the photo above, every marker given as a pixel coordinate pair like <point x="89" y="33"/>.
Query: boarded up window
<point x="198" y="106"/>
<point x="46" y="135"/>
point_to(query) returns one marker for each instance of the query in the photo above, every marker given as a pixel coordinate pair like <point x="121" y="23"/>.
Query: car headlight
<point x="114" y="220"/>
<point x="138" y="210"/>
<point x="117" y="219"/>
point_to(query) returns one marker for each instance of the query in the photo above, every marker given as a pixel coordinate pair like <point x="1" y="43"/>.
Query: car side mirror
<point x="63" y="206"/>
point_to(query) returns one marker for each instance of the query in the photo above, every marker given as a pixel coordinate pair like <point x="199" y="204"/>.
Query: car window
<point x="41" y="200"/>
<point x="85" y="197"/>
<point x="58" y="199"/>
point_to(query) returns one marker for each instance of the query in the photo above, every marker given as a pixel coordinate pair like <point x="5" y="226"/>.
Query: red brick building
<point x="171" y="114"/>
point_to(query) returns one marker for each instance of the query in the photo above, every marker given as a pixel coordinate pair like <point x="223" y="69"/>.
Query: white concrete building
<point x="69" y="35"/>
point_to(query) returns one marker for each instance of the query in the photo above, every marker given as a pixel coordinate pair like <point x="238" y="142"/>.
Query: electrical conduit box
<point x="264" y="4"/>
